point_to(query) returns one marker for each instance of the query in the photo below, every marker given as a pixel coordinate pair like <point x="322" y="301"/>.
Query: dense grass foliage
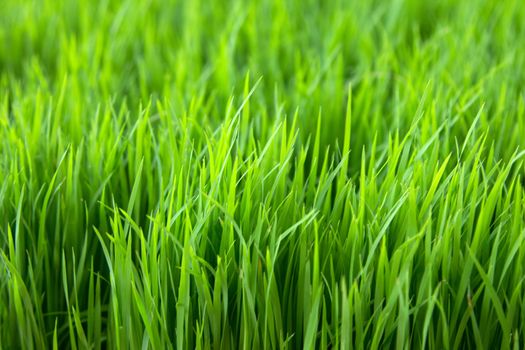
<point x="262" y="174"/>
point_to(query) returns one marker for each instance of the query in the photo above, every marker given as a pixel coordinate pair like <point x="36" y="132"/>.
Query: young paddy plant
<point x="264" y="174"/>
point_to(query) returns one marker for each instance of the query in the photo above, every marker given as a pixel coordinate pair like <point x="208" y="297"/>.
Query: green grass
<point x="262" y="174"/>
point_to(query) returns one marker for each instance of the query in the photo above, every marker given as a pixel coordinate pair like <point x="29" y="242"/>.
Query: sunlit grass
<point x="263" y="174"/>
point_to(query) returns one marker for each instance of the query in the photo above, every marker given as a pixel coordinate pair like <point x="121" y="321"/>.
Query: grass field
<point x="262" y="174"/>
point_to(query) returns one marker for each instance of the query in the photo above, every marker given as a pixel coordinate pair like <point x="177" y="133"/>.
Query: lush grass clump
<point x="262" y="174"/>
